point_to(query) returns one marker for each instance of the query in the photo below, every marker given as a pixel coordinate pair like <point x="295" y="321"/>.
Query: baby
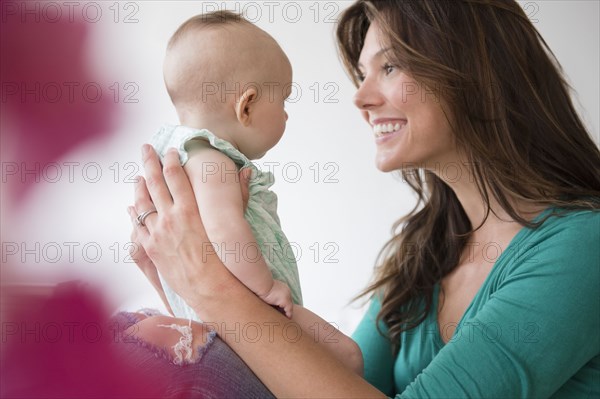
<point x="228" y="80"/>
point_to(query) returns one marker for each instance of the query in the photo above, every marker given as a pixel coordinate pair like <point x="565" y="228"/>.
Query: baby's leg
<point x="329" y="338"/>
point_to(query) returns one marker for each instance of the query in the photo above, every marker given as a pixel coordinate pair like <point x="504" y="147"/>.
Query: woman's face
<point x="408" y="123"/>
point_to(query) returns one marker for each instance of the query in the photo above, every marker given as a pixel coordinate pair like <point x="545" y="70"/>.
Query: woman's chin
<point x="390" y="163"/>
<point x="386" y="163"/>
<point x="384" y="166"/>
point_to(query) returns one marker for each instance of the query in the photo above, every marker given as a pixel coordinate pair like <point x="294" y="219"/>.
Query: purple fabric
<point x="217" y="373"/>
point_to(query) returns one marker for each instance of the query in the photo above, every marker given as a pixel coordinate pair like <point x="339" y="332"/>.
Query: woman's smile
<point x="387" y="128"/>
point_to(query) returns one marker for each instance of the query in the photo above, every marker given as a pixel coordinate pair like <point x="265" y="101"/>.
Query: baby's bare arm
<point x="216" y="185"/>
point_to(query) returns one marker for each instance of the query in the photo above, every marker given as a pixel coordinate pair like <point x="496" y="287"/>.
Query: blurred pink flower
<point x="48" y="95"/>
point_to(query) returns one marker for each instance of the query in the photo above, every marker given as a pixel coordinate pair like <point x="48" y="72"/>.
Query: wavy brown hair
<point x="512" y="116"/>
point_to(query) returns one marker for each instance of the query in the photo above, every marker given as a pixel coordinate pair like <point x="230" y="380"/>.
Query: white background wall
<point x="339" y="217"/>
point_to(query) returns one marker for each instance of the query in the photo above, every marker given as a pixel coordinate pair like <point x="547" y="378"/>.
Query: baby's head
<point x="229" y="76"/>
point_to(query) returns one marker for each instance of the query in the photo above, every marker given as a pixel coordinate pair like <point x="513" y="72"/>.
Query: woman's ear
<point x="245" y="106"/>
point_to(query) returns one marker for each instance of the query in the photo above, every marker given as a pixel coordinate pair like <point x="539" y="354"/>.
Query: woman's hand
<point x="144" y="203"/>
<point x="174" y="238"/>
<point x="143" y="261"/>
<point x="137" y="252"/>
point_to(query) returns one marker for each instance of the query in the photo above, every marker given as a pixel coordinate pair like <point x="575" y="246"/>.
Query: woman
<point x="471" y="84"/>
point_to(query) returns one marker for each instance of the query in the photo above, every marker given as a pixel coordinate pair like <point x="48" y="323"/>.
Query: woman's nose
<point x="367" y="96"/>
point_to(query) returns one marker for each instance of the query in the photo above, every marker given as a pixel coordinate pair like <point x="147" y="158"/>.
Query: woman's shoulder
<point x="566" y="237"/>
<point x="580" y="223"/>
<point x="560" y="258"/>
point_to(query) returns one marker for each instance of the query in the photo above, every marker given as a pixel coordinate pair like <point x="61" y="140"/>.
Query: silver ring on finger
<point x="142" y="216"/>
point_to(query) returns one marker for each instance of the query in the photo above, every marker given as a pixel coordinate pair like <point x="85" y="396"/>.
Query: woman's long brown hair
<point x="512" y="116"/>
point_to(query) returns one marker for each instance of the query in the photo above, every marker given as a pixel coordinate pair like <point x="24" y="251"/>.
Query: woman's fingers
<point x="143" y="203"/>
<point x="136" y="250"/>
<point x="177" y="180"/>
<point x="138" y="234"/>
<point x="156" y="186"/>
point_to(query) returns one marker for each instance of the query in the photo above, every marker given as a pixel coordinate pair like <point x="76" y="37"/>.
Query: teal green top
<point x="261" y="212"/>
<point x="532" y="330"/>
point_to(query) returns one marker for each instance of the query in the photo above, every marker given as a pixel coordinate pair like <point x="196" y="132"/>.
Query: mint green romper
<point x="261" y="212"/>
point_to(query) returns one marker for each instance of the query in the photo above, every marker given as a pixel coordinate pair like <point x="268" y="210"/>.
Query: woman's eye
<point x="360" y="76"/>
<point x="388" y="68"/>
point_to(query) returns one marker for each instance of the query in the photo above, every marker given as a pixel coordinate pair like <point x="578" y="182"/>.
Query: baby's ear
<point x="245" y="105"/>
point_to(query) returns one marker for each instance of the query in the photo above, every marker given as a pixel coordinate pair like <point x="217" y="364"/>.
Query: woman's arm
<point x="289" y="363"/>
<point x="376" y="348"/>
<point x="330" y="338"/>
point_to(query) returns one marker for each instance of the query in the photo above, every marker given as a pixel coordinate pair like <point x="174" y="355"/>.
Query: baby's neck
<point x="221" y="128"/>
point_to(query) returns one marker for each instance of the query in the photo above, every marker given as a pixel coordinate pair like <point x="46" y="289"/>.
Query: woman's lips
<point x="388" y="128"/>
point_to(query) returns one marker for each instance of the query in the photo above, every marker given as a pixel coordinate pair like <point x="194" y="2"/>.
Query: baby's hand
<point x="281" y="296"/>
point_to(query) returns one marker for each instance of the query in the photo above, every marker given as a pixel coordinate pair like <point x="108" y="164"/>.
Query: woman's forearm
<point x="286" y="360"/>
